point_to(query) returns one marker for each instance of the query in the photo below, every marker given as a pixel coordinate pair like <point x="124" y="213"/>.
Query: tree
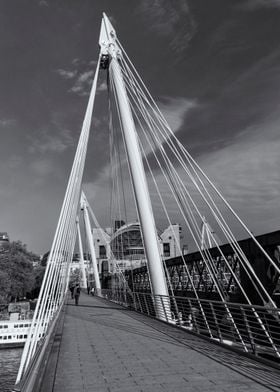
<point x="17" y="278"/>
<point x="39" y="272"/>
<point x="5" y="285"/>
<point x="75" y="277"/>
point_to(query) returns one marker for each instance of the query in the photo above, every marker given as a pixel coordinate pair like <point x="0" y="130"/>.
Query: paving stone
<point x="105" y="348"/>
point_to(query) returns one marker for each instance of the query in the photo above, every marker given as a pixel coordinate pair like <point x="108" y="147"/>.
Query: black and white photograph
<point x="140" y="195"/>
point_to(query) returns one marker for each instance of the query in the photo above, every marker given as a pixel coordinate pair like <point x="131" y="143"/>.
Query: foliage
<point x="5" y="285"/>
<point x="38" y="276"/>
<point x="18" y="277"/>
<point x="75" y="277"/>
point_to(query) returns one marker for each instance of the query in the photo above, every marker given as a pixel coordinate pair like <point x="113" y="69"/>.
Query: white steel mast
<point x="109" y="47"/>
<point x="82" y="260"/>
<point x="84" y="208"/>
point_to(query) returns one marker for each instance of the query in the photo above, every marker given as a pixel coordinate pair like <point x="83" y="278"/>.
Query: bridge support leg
<point x="91" y="249"/>
<point x="82" y="261"/>
<point x="142" y="197"/>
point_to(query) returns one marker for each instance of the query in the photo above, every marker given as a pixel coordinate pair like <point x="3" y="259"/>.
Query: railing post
<point x="140" y="304"/>
<point x="193" y="317"/>
<point x="135" y="301"/>
<point x="216" y="322"/>
<point x="146" y="305"/>
<point x="163" y="306"/>
<point x="176" y="310"/>
<point x="248" y="329"/>
<point x="228" y="312"/>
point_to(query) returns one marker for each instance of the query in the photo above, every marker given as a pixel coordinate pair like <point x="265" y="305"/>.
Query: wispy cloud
<point x="175" y="110"/>
<point x="42" y="167"/>
<point x="43" y="3"/>
<point x="76" y="61"/>
<point x="81" y="73"/>
<point x="83" y="82"/>
<point x="247" y="172"/>
<point x="14" y="162"/>
<point x="5" y="122"/>
<point x="255" y="4"/>
<point x="102" y="87"/>
<point x="173" y="21"/>
<point x="45" y="142"/>
<point x="66" y="74"/>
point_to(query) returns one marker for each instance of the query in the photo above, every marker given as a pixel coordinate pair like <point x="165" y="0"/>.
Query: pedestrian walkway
<point x="107" y="348"/>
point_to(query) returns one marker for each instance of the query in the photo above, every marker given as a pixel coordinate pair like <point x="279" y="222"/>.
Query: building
<point x="171" y="241"/>
<point x="4" y="241"/>
<point x="123" y="249"/>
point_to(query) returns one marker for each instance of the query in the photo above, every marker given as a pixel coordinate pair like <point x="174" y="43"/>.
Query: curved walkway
<point x="107" y="348"/>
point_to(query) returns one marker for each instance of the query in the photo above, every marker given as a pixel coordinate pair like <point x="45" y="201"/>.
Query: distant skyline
<point x="213" y="68"/>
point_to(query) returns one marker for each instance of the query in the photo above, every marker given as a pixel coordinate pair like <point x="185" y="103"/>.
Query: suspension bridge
<point x="204" y="320"/>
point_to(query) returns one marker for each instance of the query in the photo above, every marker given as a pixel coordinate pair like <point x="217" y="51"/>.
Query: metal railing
<point x="33" y="376"/>
<point x="251" y="329"/>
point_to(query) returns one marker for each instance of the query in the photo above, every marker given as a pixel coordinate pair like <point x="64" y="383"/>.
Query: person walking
<point x="71" y="288"/>
<point x="76" y="293"/>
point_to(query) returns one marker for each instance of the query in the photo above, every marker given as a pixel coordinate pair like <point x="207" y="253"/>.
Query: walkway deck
<point x="107" y="348"/>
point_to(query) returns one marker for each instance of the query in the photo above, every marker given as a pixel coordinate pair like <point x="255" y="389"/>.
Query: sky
<point x="213" y="67"/>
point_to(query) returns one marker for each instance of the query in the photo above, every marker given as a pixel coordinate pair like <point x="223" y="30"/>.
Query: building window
<point x="166" y="249"/>
<point x="102" y="251"/>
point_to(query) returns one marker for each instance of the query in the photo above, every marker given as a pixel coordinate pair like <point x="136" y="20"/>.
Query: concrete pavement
<point x="107" y="348"/>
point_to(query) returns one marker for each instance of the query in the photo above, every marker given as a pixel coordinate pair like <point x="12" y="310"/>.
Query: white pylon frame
<point x="84" y="208"/>
<point x="82" y="260"/>
<point x="205" y="235"/>
<point x="108" y="46"/>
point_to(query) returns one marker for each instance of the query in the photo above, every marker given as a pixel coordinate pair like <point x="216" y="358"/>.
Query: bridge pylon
<point x="109" y="47"/>
<point x="84" y="208"/>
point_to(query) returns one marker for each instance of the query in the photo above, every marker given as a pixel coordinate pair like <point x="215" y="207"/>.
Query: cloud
<point x="67" y="74"/>
<point x="14" y="162"/>
<point x="76" y="61"/>
<point x="102" y="87"/>
<point x="251" y="5"/>
<point x="167" y="20"/>
<point x="93" y="62"/>
<point x="42" y="167"/>
<point x="6" y="122"/>
<point x="83" y="83"/>
<point x="175" y="110"/>
<point x="46" y="142"/>
<point x="82" y="74"/>
<point x="247" y="172"/>
<point x="43" y="3"/>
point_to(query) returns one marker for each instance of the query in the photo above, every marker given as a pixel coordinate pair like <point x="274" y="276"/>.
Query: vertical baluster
<point x="248" y="329"/>
<point x="146" y="305"/>
<point x="163" y="303"/>
<point x="216" y="322"/>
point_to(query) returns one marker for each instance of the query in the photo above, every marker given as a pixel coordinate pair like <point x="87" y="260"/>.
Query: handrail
<point x="32" y="378"/>
<point x="250" y="329"/>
